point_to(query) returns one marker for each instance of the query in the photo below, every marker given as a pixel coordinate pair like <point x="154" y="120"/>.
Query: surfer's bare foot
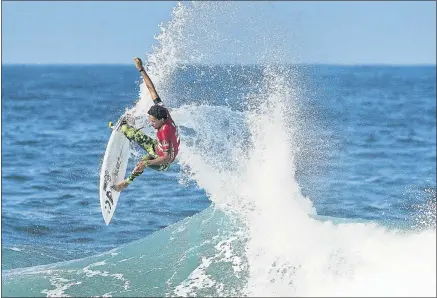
<point x="122" y="185"/>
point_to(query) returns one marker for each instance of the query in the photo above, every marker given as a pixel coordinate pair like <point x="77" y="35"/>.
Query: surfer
<point x="161" y="152"/>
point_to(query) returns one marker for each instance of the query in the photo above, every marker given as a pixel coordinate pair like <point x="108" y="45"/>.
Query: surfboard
<point x="113" y="170"/>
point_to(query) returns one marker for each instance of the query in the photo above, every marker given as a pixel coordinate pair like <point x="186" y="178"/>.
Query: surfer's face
<point x="155" y="122"/>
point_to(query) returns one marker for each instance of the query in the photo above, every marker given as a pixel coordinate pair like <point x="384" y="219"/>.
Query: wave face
<point x="261" y="236"/>
<point x="214" y="254"/>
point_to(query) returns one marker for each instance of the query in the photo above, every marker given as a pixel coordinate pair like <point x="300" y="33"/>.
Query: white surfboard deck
<point x="113" y="170"/>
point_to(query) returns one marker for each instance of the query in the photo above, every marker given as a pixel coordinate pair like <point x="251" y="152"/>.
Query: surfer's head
<point x="157" y="115"/>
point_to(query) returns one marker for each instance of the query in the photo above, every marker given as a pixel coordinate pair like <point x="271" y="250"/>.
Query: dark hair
<point x="159" y="112"/>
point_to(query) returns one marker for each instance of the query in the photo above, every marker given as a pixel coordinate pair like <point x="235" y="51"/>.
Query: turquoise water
<point x="292" y="180"/>
<point x="165" y="263"/>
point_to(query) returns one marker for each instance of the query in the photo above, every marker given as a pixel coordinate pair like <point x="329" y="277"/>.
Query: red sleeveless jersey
<point x="168" y="139"/>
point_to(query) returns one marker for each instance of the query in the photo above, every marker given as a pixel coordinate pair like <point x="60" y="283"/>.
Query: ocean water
<point x="292" y="180"/>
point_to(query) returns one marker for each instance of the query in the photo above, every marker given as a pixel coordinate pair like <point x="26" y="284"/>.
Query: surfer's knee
<point x="127" y="131"/>
<point x="150" y="149"/>
<point x="145" y="157"/>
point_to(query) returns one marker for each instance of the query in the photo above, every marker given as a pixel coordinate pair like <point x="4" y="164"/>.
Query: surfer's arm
<point x="142" y="164"/>
<point x="146" y="78"/>
<point x="149" y="85"/>
<point x="160" y="160"/>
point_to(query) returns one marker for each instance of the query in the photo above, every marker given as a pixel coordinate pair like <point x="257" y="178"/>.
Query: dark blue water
<point x="383" y="121"/>
<point x="368" y="150"/>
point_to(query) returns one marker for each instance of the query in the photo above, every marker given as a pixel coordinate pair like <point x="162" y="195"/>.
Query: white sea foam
<point x="289" y="252"/>
<point x="60" y="284"/>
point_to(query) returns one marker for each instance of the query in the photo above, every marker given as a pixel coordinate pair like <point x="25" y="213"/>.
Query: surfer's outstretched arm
<point x="147" y="80"/>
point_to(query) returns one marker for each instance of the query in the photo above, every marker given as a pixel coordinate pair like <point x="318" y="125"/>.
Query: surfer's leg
<point x="135" y="174"/>
<point x="146" y="142"/>
<point x="123" y="184"/>
<point x="132" y="176"/>
<point x="163" y="167"/>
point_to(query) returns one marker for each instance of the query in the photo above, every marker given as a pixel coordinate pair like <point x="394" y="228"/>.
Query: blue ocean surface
<point x="292" y="180"/>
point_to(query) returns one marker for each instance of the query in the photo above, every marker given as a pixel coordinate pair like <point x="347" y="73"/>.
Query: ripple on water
<point x="35" y="230"/>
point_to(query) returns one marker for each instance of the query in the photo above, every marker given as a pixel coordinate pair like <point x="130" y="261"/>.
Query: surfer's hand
<point x="141" y="165"/>
<point x="138" y="63"/>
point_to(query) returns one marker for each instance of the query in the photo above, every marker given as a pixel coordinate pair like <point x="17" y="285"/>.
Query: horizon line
<point x="222" y="64"/>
